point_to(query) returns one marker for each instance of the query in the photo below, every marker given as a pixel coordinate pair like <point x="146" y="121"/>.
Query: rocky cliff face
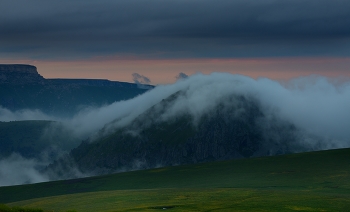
<point x="21" y="87"/>
<point x="20" y="74"/>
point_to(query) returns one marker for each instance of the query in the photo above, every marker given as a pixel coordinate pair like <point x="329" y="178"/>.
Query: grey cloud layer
<point x="176" y="28"/>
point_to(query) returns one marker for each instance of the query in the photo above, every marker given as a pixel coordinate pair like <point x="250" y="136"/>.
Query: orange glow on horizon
<point x="163" y="71"/>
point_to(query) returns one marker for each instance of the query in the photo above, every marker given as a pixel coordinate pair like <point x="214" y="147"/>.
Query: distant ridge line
<point x="28" y="74"/>
<point x="4" y="67"/>
<point x="91" y="82"/>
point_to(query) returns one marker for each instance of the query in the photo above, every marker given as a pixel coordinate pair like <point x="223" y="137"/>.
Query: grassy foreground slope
<point x="316" y="181"/>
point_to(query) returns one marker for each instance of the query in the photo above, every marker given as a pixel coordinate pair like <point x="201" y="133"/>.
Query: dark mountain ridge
<point x="22" y="87"/>
<point x="20" y="74"/>
<point x="27" y="143"/>
<point x="31" y="138"/>
<point x="27" y="74"/>
<point x="234" y="128"/>
<point x="91" y="82"/>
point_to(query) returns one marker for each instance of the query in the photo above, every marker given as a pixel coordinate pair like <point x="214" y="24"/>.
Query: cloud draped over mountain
<point x="313" y="103"/>
<point x="316" y="106"/>
<point x="216" y="117"/>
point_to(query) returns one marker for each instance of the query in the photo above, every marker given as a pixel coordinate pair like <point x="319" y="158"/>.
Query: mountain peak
<point x="19" y="74"/>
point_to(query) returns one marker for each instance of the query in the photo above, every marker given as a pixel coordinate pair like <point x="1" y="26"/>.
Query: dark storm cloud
<point x="175" y="28"/>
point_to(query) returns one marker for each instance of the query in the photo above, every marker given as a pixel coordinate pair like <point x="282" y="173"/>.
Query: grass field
<point x="316" y="181"/>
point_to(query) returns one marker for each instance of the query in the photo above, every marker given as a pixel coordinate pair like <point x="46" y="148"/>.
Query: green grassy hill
<point x="315" y="181"/>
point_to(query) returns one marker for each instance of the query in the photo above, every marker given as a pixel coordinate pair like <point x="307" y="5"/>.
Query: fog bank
<point x="16" y="170"/>
<point x="316" y="105"/>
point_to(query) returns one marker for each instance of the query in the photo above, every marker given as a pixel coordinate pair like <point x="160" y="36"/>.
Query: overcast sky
<point x="81" y="30"/>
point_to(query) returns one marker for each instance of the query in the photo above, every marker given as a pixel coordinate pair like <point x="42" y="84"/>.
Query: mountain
<point x="20" y="74"/>
<point x="23" y="137"/>
<point x="234" y="128"/>
<point x="30" y="139"/>
<point x="22" y="87"/>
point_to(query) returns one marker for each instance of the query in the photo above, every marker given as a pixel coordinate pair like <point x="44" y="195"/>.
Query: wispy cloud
<point x="181" y="75"/>
<point x="16" y="170"/>
<point x="7" y="115"/>
<point x="140" y="79"/>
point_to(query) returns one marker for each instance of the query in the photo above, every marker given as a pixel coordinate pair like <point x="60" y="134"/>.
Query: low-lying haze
<point x="317" y="105"/>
